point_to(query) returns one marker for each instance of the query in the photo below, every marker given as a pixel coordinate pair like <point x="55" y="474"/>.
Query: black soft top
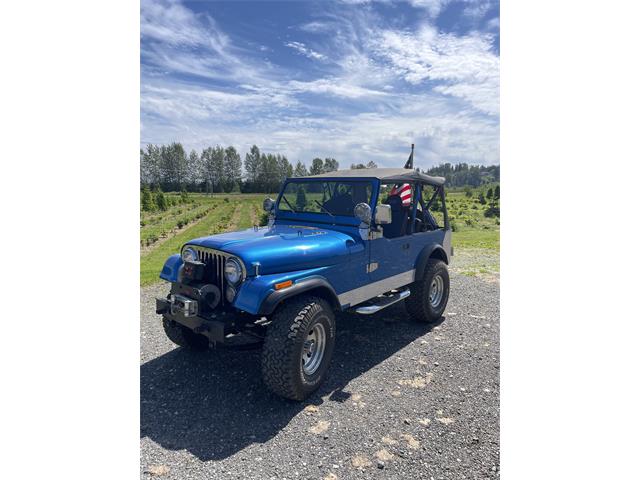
<point x="388" y="175"/>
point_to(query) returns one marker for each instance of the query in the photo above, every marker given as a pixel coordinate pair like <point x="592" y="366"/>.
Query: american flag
<point x="404" y="191"/>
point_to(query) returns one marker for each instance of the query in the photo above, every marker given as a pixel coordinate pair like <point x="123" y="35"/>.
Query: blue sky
<point x="356" y="80"/>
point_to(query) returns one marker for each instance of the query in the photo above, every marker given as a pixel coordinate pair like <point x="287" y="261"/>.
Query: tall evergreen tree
<point x="146" y="200"/>
<point x="231" y="169"/>
<point x="212" y="163"/>
<point x="194" y="170"/>
<point x="330" y="165"/>
<point x="317" y="167"/>
<point x="285" y="169"/>
<point x="173" y="166"/>
<point x="252" y="165"/>
<point x="300" y="170"/>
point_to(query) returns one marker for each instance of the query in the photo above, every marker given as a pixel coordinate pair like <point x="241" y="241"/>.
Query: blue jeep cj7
<point x="356" y="240"/>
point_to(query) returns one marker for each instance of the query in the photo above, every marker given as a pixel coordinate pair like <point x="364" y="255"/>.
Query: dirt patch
<point x="320" y="427"/>
<point x="384" y="455"/>
<point x="411" y="442"/>
<point x="417" y="382"/>
<point x="360" y="461"/>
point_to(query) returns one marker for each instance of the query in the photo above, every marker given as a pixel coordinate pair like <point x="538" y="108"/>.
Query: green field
<point x="225" y="213"/>
<point x="472" y="229"/>
<point x="476" y="238"/>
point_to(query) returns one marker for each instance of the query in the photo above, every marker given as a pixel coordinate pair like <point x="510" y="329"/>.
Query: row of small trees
<point x="218" y="169"/>
<point x="157" y="200"/>
<point x="462" y="174"/>
<point x="490" y="195"/>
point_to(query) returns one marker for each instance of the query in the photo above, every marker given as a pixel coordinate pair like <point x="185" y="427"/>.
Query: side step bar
<point x="383" y="301"/>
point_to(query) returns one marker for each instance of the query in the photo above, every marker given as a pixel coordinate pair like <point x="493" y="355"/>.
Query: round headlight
<point x="233" y="270"/>
<point x="363" y="212"/>
<point x="268" y="204"/>
<point x="189" y="255"/>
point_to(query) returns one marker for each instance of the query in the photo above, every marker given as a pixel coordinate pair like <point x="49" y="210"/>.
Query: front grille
<point x="214" y="261"/>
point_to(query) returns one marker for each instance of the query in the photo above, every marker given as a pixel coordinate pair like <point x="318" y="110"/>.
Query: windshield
<point x="328" y="198"/>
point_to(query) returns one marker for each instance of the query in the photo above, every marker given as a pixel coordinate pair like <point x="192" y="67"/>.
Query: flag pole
<point x="409" y="163"/>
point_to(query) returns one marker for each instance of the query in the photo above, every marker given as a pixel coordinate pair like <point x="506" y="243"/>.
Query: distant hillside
<point x="463" y="174"/>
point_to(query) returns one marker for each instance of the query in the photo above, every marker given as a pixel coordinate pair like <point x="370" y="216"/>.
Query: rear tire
<point x="298" y="347"/>
<point x="430" y="294"/>
<point x="184" y="337"/>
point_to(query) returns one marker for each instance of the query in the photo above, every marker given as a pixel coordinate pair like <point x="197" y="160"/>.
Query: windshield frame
<point x="322" y="216"/>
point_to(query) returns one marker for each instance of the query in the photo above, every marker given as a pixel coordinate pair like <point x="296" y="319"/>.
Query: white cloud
<point x="170" y="22"/>
<point x="363" y="77"/>
<point x="478" y="9"/>
<point x="306" y="51"/>
<point x="200" y="117"/>
<point x="316" y="27"/>
<point x="176" y="40"/>
<point x="333" y="86"/>
<point x="434" y="7"/>
<point x="466" y="66"/>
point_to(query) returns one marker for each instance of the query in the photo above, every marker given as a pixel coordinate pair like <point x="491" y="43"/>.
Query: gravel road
<point x="403" y="400"/>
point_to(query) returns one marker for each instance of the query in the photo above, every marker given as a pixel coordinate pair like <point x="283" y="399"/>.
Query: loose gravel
<point x="403" y="400"/>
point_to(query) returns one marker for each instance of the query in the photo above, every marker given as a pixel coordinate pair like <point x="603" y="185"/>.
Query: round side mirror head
<point x="268" y="204"/>
<point x="363" y="212"/>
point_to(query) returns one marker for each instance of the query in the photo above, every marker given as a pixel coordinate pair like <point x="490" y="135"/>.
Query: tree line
<point x="463" y="174"/>
<point x="219" y="169"/>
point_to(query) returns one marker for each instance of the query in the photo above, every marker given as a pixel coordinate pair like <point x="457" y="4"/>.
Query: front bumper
<point x="176" y="309"/>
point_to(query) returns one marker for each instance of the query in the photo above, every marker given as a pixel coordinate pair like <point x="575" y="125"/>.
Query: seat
<point x="341" y="204"/>
<point x="399" y="218"/>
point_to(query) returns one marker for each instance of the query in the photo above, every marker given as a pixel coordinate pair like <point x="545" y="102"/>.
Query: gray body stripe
<point x="359" y="295"/>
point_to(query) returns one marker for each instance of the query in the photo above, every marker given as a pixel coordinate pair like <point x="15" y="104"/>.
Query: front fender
<point x="259" y="296"/>
<point x="171" y="269"/>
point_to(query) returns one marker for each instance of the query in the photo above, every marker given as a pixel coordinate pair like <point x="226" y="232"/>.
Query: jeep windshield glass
<point x="331" y="198"/>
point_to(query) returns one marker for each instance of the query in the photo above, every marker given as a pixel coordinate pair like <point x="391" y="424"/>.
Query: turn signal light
<point x="280" y="286"/>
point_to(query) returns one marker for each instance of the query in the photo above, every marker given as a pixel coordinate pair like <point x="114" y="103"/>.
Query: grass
<point x="152" y="262"/>
<point x="237" y="214"/>
<point x="475" y="238"/>
<point x="161" y="226"/>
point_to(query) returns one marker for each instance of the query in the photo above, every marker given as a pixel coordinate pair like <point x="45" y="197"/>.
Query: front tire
<point x="430" y="294"/>
<point x="298" y="347"/>
<point x="184" y="337"/>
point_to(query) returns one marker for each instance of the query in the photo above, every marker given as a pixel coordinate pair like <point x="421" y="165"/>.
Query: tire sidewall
<point x="319" y="314"/>
<point x="441" y="270"/>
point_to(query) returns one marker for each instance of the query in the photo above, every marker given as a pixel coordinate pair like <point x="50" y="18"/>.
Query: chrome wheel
<point x="436" y="291"/>
<point x="313" y="349"/>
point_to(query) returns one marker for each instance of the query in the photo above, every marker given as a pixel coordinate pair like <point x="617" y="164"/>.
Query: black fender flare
<point x="314" y="283"/>
<point x="430" y="251"/>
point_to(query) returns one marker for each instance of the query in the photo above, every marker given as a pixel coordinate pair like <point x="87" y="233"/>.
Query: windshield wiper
<point x="287" y="202"/>
<point x="323" y="208"/>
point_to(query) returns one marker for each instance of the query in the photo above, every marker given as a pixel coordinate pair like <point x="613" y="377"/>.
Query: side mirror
<point x="383" y="214"/>
<point x="268" y="204"/>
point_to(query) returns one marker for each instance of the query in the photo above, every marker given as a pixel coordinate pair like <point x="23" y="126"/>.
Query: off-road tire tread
<point x="280" y="344"/>
<point x="417" y="304"/>
<point x="184" y="337"/>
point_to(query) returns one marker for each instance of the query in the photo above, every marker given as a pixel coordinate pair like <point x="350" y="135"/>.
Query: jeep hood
<point x="282" y="248"/>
